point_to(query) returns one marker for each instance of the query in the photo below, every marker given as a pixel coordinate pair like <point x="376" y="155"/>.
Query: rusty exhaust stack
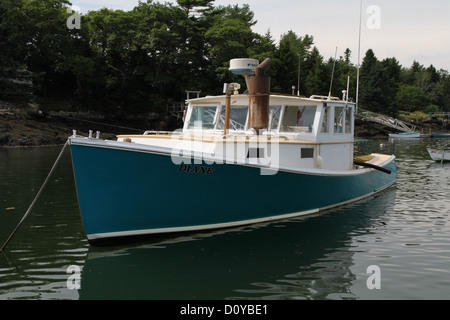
<point x="259" y="90"/>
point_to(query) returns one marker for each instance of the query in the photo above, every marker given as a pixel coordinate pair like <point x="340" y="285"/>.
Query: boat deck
<point x="374" y="158"/>
<point x="220" y="138"/>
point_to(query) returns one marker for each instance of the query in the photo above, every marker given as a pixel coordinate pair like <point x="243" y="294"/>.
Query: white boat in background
<point x="405" y="135"/>
<point x="439" y="155"/>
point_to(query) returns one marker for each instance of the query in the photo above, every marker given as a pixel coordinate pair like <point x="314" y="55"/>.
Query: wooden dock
<point x="386" y="120"/>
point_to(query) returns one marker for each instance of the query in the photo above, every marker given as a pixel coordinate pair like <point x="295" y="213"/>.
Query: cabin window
<point x="274" y="117"/>
<point x="326" y="112"/>
<point x="238" y="118"/>
<point x="307" y="153"/>
<point x="338" y="119"/>
<point x="202" y="117"/>
<point x="348" y="120"/>
<point x="298" y="119"/>
<point x="255" y="153"/>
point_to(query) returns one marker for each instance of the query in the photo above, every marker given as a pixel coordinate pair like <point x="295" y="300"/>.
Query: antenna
<point x="348" y="88"/>
<point x="359" y="56"/>
<point x="345" y="92"/>
<point x="332" y="74"/>
<point x="298" y="76"/>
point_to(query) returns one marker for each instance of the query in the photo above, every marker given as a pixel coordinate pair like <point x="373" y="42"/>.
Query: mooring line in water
<point x="36" y="198"/>
<point x="96" y="122"/>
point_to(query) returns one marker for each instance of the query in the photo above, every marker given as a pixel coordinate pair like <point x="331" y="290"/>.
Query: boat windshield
<point x="298" y="119"/>
<point x="203" y="117"/>
<point x="238" y="118"/>
<point x="274" y="117"/>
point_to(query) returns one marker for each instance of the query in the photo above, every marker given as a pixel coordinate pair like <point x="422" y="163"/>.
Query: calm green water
<point x="404" y="231"/>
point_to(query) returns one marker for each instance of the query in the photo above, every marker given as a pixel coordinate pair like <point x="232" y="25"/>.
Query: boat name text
<point x="195" y="169"/>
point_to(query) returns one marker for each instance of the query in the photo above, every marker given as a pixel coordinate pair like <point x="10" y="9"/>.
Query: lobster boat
<point x="241" y="158"/>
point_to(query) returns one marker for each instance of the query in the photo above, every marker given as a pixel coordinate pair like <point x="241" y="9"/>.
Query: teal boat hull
<point x="441" y="135"/>
<point x="124" y="192"/>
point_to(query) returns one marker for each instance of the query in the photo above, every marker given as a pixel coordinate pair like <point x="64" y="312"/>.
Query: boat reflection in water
<point x="302" y="258"/>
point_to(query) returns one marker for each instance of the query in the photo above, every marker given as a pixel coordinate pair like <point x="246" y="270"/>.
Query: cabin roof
<point x="275" y="100"/>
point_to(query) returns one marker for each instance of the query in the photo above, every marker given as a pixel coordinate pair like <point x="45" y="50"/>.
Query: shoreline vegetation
<point x="121" y="68"/>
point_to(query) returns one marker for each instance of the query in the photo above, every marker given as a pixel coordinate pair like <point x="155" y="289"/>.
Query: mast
<point x="359" y="56"/>
<point x="298" y="76"/>
<point x="332" y="74"/>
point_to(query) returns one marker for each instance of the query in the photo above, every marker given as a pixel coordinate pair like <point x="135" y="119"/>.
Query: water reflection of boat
<point x="301" y="258"/>
<point x="295" y="151"/>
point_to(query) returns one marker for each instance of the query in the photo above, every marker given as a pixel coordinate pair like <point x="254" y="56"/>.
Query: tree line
<point x="139" y="60"/>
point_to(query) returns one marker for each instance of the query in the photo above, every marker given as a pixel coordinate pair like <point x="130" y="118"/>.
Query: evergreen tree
<point x="347" y="55"/>
<point x="445" y="94"/>
<point x="290" y="62"/>
<point x="376" y="92"/>
<point x="201" y="5"/>
<point x="230" y="36"/>
<point x="16" y="81"/>
<point x="315" y="81"/>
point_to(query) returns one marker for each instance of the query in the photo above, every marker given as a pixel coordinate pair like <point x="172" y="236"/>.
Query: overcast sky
<point x="408" y="30"/>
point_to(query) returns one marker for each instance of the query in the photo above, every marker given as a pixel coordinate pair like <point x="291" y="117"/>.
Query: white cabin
<point x="313" y="133"/>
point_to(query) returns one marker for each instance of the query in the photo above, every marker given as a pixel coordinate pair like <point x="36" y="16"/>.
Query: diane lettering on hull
<point x="195" y="169"/>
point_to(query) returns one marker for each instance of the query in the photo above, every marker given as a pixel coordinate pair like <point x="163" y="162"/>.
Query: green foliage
<point x="377" y="89"/>
<point x="317" y="78"/>
<point x="411" y="98"/>
<point x="291" y="56"/>
<point x="15" y="79"/>
<point x="137" y="61"/>
<point x="189" y="5"/>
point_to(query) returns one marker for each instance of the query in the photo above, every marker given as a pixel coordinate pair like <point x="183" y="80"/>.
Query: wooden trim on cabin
<point x="236" y="139"/>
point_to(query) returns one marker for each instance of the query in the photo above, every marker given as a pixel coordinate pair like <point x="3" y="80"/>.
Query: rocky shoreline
<point x="24" y="127"/>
